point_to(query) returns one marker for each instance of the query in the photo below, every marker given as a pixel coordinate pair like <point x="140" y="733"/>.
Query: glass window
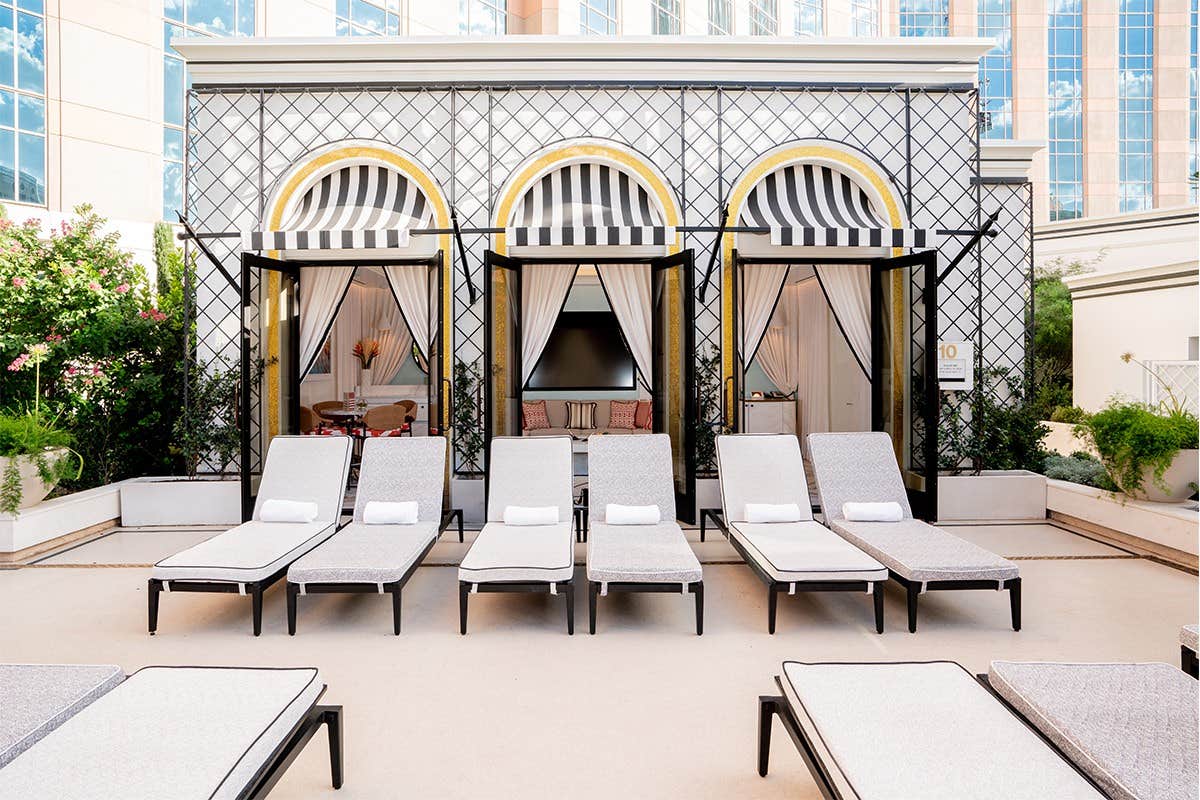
<point x="481" y="17"/>
<point x="1065" y="108"/>
<point x="720" y="17"/>
<point x="665" y="19"/>
<point x="1135" y="104"/>
<point x="996" y="71"/>
<point x="764" y="17"/>
<point x="925" y="17"/>
<point x="23" y="101"/>
<point x="374" y="17"/>
<point x="598" y="17"/>
<point x="810" y="18"/>
<point x="864" y="16"/>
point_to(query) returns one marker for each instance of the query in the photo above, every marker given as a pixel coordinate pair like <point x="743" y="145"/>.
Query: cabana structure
<point x="707" y="175"/>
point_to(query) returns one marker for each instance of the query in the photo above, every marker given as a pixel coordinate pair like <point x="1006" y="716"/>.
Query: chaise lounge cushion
<point x="927" y="730"/>
<point x="253" y="551"/>
<point x="1130" y="727"/>
<point x="37" y="698"/>
<point x="187" y="733"/>
<point x="918" y="551"/>
<point x="1188" y="635"/>
<point x="805" y="551"/>
<point x="640" y="554"/>
<point x="525" y="553"/>
<point x="365" y="554"/>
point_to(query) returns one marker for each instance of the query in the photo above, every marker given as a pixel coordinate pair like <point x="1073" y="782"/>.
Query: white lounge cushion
<point x="532" y="553"/>
<point x="761" y="468"/>
<point x="872" y="512"/>
<point x="250" y="552"/>
<point x="919" y="551"/>
<point x="1188" y="636"/>
<point x="185" y="733"/>
<point x="1130" y="727"/>
<point x="380" y="512"/>
<point x="774" y="512"/>
<point x="37" y="698"/>
<point x="805" y="551"/>
<point x="640" y="554"/>
<point x="363" y="553"/>
<point x="630" y="471"/>
<point x="617" y="514"/>
<point x="928" y="730"/>
<point x="310" y="468"/>
<point x="530" y="515"/>
<point x="277" y="510"/>
<point x="403" y="469"/>
<point x="530" y="471"/>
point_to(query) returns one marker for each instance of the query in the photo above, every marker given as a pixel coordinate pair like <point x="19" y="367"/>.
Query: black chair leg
<point x="914" y="591"/>
<point x="256" y="604"/>
<point x="699" y="587"/>
<point x="293" y="593"/>
<point x="333" y="726"/>
<point x="464" y="589"/>
<point x="570" y="608"/>
<point x="593" y="589"/>
<point x="153" y="587"/>
<point x="396" y="610"/>
<point x="877" y="591"/>
<point x="772" y="605"/>
<point x="459" y="513"/>
<point x="1014" y="602"/>
<point x="766" y="712"/>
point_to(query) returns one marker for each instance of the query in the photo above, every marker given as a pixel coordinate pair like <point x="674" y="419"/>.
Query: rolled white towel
<point x="288" y="511"/>
<point x="773" y="512"/>
<point x="872" y="512"/>
<point x="531" y="515"/>
<point x="379" y="512"/>
<point x="616" y="514"/>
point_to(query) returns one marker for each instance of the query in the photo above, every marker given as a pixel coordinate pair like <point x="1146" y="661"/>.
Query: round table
<point x="344" y="417"/>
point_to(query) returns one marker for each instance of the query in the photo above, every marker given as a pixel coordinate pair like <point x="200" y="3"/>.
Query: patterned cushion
<point x="403" y="429"/>
<point x="644" y="416"/>
<point x="535" y="415"/>
<point x="581" y="416"/>
<point x="622" y="414"/>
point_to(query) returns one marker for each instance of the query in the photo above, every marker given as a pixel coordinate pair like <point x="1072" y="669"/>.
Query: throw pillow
<point x="644" y="417"/>
<point x="534" y="415"/>
<point x="581" y="416"/>
<point x="622" y="414"/>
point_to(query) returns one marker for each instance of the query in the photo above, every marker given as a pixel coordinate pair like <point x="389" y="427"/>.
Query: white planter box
<point x="1008" y="495"/>
<point x="1062" y="439"/>
<point x="467" y="494"/>
<point x="147" y="502"/>
<point x="1167" y="529"/>
<point x="33" y="528"/>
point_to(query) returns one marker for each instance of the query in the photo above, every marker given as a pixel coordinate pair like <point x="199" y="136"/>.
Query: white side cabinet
<point x="770" y="416"/>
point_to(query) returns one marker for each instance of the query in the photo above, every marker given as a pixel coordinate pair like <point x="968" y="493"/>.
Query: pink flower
<point x="18" y="281"/>
<point x="18" y="362"/>
<point x="122" y="288"/>
<point x="95" y="287"/>
<point x="68" y="271"/>
<point x="65" y="227"/>
<point x="53" y="337"/>
<point x="103" y="272"/>
<point x="33" y="222"/>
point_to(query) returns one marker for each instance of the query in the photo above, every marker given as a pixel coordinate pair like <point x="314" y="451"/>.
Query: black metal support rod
<point x="716" y="252"/>
<point x="191" y="234"/>
<point x="462" y="254"/>
<point x="986" y="230"/>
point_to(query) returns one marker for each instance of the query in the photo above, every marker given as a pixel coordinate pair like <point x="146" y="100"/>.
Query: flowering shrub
<point x="112" y="372"/>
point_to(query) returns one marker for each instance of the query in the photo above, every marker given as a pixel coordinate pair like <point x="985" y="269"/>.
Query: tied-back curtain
<point x="321" y="292"/>
<point x="381" y="320"/>
<point x="807" y="304"/>
<point x="544" y="289"/>
<point x="628" y="288"/>
<point x="758" y="293"/>
<point x="777" y="354"/>
<point x="848" y="289"/>
<point x="410" y="286"/>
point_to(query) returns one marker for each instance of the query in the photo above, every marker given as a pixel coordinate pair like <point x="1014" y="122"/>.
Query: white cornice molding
<point x="543" y="59"/>
<point x="1007" y="159"/>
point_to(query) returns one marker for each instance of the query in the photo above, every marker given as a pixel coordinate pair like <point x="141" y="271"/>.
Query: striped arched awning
<point x="587" y="204"/>
<point x="358" y="207"/>
<point x="811" y="205"/>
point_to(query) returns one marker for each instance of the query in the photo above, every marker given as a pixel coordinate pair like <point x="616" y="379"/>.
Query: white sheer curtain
<point x="628" y="287"/>
<point x="760" y="285"/>
<point x="381" y="320"/>
<point x="544" y="289"/>
<point x="777" y="354"/>
<point x="795" y="352"/>
<point x="410" y="285"/>
<point x="848" y="288"/>
<point x="321" y="292"/>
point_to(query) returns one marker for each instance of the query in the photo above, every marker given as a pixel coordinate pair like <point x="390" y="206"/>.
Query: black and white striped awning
<point x="815" y="206"/>
<point x="362" y="207"/>
<point x="587" y="204"/>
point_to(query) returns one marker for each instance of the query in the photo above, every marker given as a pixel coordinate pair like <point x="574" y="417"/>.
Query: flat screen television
<point x="585" y="351"/>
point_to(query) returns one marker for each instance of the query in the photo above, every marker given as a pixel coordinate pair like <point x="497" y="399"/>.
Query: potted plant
<point x="1150" y="452"/>
<point x="467" y="440"/>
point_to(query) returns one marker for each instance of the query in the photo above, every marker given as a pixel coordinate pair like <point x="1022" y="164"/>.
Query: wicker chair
<point x="388" y="418"/>
<point x="410" y="409"/>
<point x="308" y="420"/>
<point x="326" y="405"/>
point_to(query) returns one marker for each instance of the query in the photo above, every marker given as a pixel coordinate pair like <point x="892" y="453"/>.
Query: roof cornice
<point x="551" y="59"/>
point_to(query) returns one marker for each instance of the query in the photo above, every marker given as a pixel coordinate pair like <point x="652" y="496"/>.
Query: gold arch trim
<point x="441" y="209"/>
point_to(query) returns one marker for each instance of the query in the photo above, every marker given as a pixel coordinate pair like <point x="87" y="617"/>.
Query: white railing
<point x="1183" y="379"/>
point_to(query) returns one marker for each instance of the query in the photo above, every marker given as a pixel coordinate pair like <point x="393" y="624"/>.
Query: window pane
<point x="173" y="9"/>
<point x="172" y="32"/>
<point x="173" y="91"/>
<point x="368" y="16"/>
<point x="8" y="110"/>
<point x="173" y="144"/>
<point x="36" y="6"/>
<point x="31" y="114"/>
<point x="343" y="9"/>
<point x="32" y="158"/>
<point x="246" y="17"/>
<point x="172" y="189"/>
<point x="8" y="165"/>
<point x="31" y="53"/>
<point x="215" y="16"/>
<point x="6" y="46"/>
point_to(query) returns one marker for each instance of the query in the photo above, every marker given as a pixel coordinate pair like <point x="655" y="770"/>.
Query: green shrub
<point x="1078" y="468"/>
<point x="1070" y="414"/>
<point x="995" y="427"/>
<point x="29" y="437"/>
<point x="1132" y="438"/>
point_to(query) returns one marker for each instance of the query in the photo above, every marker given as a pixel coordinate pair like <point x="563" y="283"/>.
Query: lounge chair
<point x="187" y="733"/>
<point x="788" y="557"/>
<point x="249" y="558"/>
<point x="905" y="730"/>
<point x="1187" y="650"/>
<point x="651" y="557"/>
<point x="861" y="467"/>
<point x="370" y="558"/>
<point x="524" y="473"/>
